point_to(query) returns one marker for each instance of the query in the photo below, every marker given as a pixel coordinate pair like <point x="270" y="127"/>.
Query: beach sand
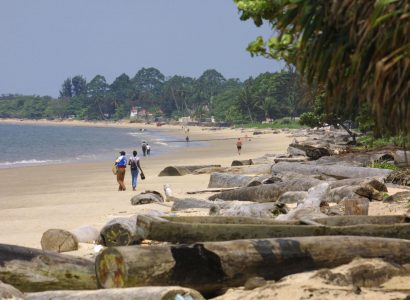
<point x="68" y="196"/>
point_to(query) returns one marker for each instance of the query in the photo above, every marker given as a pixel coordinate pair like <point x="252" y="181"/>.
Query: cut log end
<point x="59" y="240"/>
<point x="111" y="269"/>
<point x="116" y="235"/>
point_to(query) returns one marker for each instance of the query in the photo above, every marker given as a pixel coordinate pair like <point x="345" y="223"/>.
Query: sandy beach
<point x="68" y="196"/>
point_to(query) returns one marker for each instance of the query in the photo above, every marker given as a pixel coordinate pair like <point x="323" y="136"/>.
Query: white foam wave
<point x="25" y="163"/>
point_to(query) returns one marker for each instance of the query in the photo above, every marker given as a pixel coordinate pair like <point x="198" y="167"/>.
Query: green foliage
<point x="370" y="142"/>
<point x="358" y="51"/>
<point x="384" y="165"/>
<point x="277" y="124"/>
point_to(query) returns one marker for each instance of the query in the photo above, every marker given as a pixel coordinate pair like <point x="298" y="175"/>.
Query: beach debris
<point x="398" y="197"/>
<point x="247" y="209"/>
<point x="245" y="162"/>
<point x="400" y="177"/>
<point x="146" y="197"/>
<point x="120" y="232"/>
<point x="267" y="192"/>
<point x="401" y="158"/>
<point x="311" y="151"/>
<point x="136" y="293"/>
<point x="10" y="292"/>
<point x="182" y="170"/>
<point x="220" y="265"/>
<point x="356" y="206"/>
<point x="60" y="240"/>
<point x="339" y="171"/>
<point x="187" y="203"/>
<point x="292" y="197"/>
<point x="33" y="270"/>
<point x="362" y="220"/>
<point x="228" y="180"/>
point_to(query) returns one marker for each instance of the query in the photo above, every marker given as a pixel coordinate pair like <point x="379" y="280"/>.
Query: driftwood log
<point x="360" y="220"/>
<point x="32" y="270"/>
<point x="60" y="240"/>
<point x="220" y="265"/>
<point x="338" y="171"/>
<point x="146" y="197"/>
<point x="187" y="203"/>
<point x="267" y="192"/>
<point x="247" y="209"/>
<point x="225" y="220"/>
<point x="313" y="152"/>
<point x="356" y="206"/>
<point x="10" y="292"/>
<point x="175" y="231"/>
<point x="139" y="293"/>
<point x="227" y="180"/>
<point x="252" y="169"/>
<point x="182" y="170"/>
<point x="120" y="232"/>
<point x="244" y="162"/>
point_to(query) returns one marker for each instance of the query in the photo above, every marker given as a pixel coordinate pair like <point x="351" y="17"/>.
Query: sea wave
<point x="29" y="162"/>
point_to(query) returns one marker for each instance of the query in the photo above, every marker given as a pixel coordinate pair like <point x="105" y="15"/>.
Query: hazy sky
<point x="45" y="41"/>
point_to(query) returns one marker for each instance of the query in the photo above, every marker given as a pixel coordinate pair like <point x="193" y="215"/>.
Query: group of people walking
<point x="133" y="161"/>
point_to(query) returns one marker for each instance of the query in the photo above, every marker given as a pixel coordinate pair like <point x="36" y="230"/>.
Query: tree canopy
<point x="357" y="50"/>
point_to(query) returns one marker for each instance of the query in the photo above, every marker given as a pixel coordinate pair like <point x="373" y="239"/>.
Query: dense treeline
<point x="268" y="96"/>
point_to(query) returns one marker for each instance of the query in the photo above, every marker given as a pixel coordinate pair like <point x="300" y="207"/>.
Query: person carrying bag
<point x="134" y="162"/>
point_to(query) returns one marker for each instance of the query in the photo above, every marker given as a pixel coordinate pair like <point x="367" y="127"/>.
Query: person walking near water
<point x="121" y="164"/>
<point x="148" y="149"/>
<point x="239" y="145"/>
<point x="134" y="162"/>
<point x="187" y="139"/>
<point x="144" y="148"/>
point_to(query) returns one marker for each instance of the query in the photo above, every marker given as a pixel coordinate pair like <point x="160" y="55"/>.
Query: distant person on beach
<point x="144" y="148"/>
<point x="121" y="164"/>
<point x="134" y="162"/>
<point x="239" y="145"/>
<point x="187" y="139"/>
<point x="148" y="149"/>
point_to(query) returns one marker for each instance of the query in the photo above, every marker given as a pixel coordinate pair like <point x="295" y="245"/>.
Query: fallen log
<point x="361" y="220"/>
<point x="138" y="293"/>
<point x="338" y="171"/>
<point x="32" y="270"/>
<point x="146" y="197"/>
<point x="313" y="152"/>
<point x="402" y="158"/>
<point x="220" y="265"/>
<point x="248" y="209"/>
<point x="244" y="162"/>
<point x="211" y="190"/>
<point x="120" y="232"/>
<point x="10" y="292"/>
<point x="187" y="203"/>
<point x="292" y="197"/>
<point x="267" y="192"/>
<point x="225" y="220"/>
<point x="376" y="183"/>
<point x="60" y="240"/>
<point x="227" y="180"/>
<point x="356" y="206"/>
<point x="158" y="229"/>
<point x="182" y="170"/>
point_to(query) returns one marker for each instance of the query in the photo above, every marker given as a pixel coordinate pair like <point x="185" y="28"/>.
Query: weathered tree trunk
<point x="247" y="209"/>
<point x="182" y="170"/>
<point x="226" y="180"/>
<point x="374" y="182"/>
<point x="337" y="171"/>
<point x="159" y="229"/>
<point x="120" y="232"/>
<point x="138" y="293"/>
<point x="253" y="169"/>
<point x="290" y="159"/>
<point x="211" y="266"/>
<point x="313" y="152"/>
<point x="245" y="162"/>
<point x="60" y="240"/>
<point x="402" y="158"/>
<point x="360" y="220"/>
<point x="10" y="292"/>
<point x="356" y="206"/>
<point x="32" y="270"/>
<point x="225" y="220"/>
<point x="147" y="197"/>
<point x="267" y="192"/>
<point x="187" y="203"/>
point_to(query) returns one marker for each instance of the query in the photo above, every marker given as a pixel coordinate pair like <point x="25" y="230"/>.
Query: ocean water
<point x="27" y="145"/>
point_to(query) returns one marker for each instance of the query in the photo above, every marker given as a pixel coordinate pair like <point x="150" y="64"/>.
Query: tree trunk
<point x="120" y="232"/>
<point x="267" y="192"/>
<point x="10" y="292"/>
<point x="60" y="240"/>
<point x="227" y="180"/>
<point x="359" y="220"/>
<point x="224" y="220"/>
<point x="139" y="293"/>
<point x="247" y="209"/>
<point x="31" y="270"/>
<point x="158" y="229"/>
<point x="182" y="170"/>
<point x="245" y="162"/>
<point x="357" y="206"/>
<point x="211" y="266"/>
<point x="337" y="171"/>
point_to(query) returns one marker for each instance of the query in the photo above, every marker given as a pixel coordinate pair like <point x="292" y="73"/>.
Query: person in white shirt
<point x="148" y="149"/>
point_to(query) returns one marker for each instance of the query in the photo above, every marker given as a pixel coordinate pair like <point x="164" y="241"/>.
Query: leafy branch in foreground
<point x="359" y="50"/>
